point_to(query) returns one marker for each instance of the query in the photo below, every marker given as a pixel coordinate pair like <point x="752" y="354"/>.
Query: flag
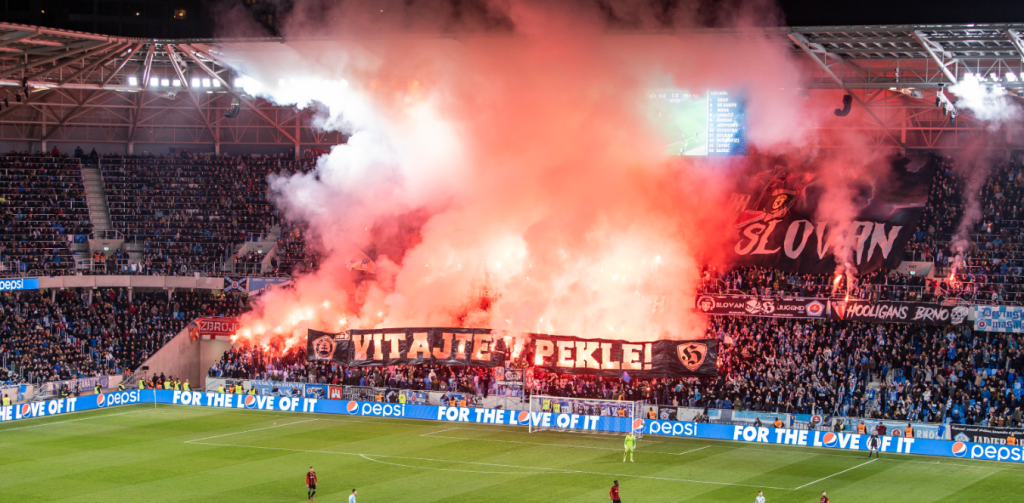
<point x="363" y="264"/>
<point x="625" y="377"/>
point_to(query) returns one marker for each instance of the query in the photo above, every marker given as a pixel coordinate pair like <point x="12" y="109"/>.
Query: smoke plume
<point x="506" y="174"/>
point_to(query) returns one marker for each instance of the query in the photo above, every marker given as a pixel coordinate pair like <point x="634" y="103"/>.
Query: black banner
<point x="408" y="346"/>
<point x="548" y="353"/>
<point x="775" y="307"/>
<point x="899" y="312"/>
<point x="612" y="358"/>
<point x="784" y="220"/>
<point x="984" y="434"/>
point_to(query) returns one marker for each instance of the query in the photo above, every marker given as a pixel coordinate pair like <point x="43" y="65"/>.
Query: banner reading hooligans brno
<point x="787" y="218"/>
<point x="898" y="312"/>
<point x="999" y="319"/>
<point x="746" y="305"/>
<point x="549" y="353"/>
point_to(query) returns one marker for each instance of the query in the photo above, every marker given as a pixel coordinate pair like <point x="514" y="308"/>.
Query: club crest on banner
<point x="235" y="284"/>
<point x="839" y="307"/>
<point x="692" y="354"/>
<point x="706" y="304"/>
<point x="323" y="347"/>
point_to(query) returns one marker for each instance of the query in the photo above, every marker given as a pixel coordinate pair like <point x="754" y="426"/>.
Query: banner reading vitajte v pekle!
<point x="559" y="354"/>
<point x="752" y="434"/>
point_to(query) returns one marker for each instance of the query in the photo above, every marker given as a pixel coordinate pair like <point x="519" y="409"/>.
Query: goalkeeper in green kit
<point x="630" y="445"/>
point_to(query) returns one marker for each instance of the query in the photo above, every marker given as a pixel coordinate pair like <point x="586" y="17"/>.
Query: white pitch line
<point x="687" y="452"/>
<point x="70" y="420"/>
<point x="439" y="431"/>
<point x="553" y="470"/>
<point x="446" y="469"/>
<point x="249" y="431"/>
<point x="837" y="473"/>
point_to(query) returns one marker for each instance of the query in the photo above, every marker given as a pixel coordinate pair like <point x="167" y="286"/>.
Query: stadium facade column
<point x="131" y="148"/>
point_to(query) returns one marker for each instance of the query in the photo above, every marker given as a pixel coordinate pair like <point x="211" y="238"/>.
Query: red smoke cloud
<point x="513" y="180"/>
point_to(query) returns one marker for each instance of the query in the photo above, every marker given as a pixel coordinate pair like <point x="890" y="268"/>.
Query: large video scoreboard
<point x="712" y="123"/>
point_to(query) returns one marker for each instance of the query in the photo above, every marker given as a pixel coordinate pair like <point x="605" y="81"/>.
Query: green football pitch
<point x="181" y="453"/>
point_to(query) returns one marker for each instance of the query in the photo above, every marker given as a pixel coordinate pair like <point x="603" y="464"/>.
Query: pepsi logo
<point x="523" y="416"/>
<point x="100" y="399"/>
<point x="830" y="439"/>
<point x="250" y="401"/>
<point x="638" y="424"/>
<point x="351" y="407"/>
<point x="959" y="449"/>
<point x="24" y="409"/>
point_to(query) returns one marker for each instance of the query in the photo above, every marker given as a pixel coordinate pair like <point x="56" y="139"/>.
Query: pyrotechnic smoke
<point x="510" y="180"/>
<point x="988" y="101"/>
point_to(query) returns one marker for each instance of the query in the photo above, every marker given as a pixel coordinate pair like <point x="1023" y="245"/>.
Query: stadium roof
<point x="92" y="88"/>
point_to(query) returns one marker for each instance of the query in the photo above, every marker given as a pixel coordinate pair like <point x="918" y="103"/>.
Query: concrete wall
<point x="178" y="358"/>
<point x="210" y="351"/>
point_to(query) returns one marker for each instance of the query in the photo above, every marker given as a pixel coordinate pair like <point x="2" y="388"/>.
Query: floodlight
<point x="165" y="82"/>
<point x="176" y="83"/>
<point x="1010" y="77"/>
<point x="206" y="82"/>
<point x="132" y="80"/>
<point x="195" y="81"/>
<point x="153" y="81"/>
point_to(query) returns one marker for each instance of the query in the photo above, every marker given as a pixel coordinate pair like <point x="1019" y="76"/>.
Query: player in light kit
<point x="630" y="445"/>
<point x="873" y="443"/>
<point x="760" y="497"/>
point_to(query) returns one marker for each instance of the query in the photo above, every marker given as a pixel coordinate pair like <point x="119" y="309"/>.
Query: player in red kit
<point x="824" y="498"/>
<point x="614" y="493"/>
<point x="311" y="483"/>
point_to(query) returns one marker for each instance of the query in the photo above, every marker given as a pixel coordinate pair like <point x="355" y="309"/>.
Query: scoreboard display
<point x="711" y="123"/>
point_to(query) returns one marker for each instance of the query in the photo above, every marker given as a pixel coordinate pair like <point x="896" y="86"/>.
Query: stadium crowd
<point x="72" y="336"/>
<point x="42" y="205"/>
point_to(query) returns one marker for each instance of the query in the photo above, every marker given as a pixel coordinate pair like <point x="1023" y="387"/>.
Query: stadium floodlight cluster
<point x="635" y="411"/>
<point x="197" y="82"/>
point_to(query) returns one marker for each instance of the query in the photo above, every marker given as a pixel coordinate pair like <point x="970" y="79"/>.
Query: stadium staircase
<point x="96" y="198"/>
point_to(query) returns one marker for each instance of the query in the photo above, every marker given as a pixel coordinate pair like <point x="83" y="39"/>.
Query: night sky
<point x="874" y="12"/>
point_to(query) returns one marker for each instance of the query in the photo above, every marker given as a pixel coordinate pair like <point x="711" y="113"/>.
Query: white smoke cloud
<point x="987" y="101"/>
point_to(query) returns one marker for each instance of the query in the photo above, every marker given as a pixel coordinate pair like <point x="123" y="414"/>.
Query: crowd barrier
<point x="684" y="429"/>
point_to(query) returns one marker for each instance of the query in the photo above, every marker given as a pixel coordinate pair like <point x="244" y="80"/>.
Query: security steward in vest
<point x="185" y="386"/>
<point x="142" y="384"/>
<point x="252" y="391"/>
<point x="777" y="423"/>
<point x="861" y="428"/>
<point x="908" y="432"/>
<point x="120" y="386"/>
<point x="96" y="389"/>
<point x="401" y="398"/>
<point x="1010" y="440"/>
<point x="6" y="401"/>
<point x="167" y="384"/>
<point x="239" y="389"/>
<point x="220" y="389"/>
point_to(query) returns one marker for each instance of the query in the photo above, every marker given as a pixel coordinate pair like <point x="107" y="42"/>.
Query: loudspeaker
<point x="847" y="103"/>
<point x="235" y="108"/>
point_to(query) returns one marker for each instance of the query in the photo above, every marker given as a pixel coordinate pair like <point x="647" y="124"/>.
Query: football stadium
<point x="483" y="251"/>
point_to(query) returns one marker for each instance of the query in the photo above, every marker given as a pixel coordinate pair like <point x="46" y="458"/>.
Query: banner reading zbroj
<point x="775" y="307"/>
<point x="999" y="319"/>
<point x="212" y="328"/>
<point x="785" y="218"/>
<point x="898" y="312"/>
<point x="547" y="353"/>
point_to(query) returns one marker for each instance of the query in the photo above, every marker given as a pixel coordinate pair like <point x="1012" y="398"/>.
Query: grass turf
<point x="180" y="453"/>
